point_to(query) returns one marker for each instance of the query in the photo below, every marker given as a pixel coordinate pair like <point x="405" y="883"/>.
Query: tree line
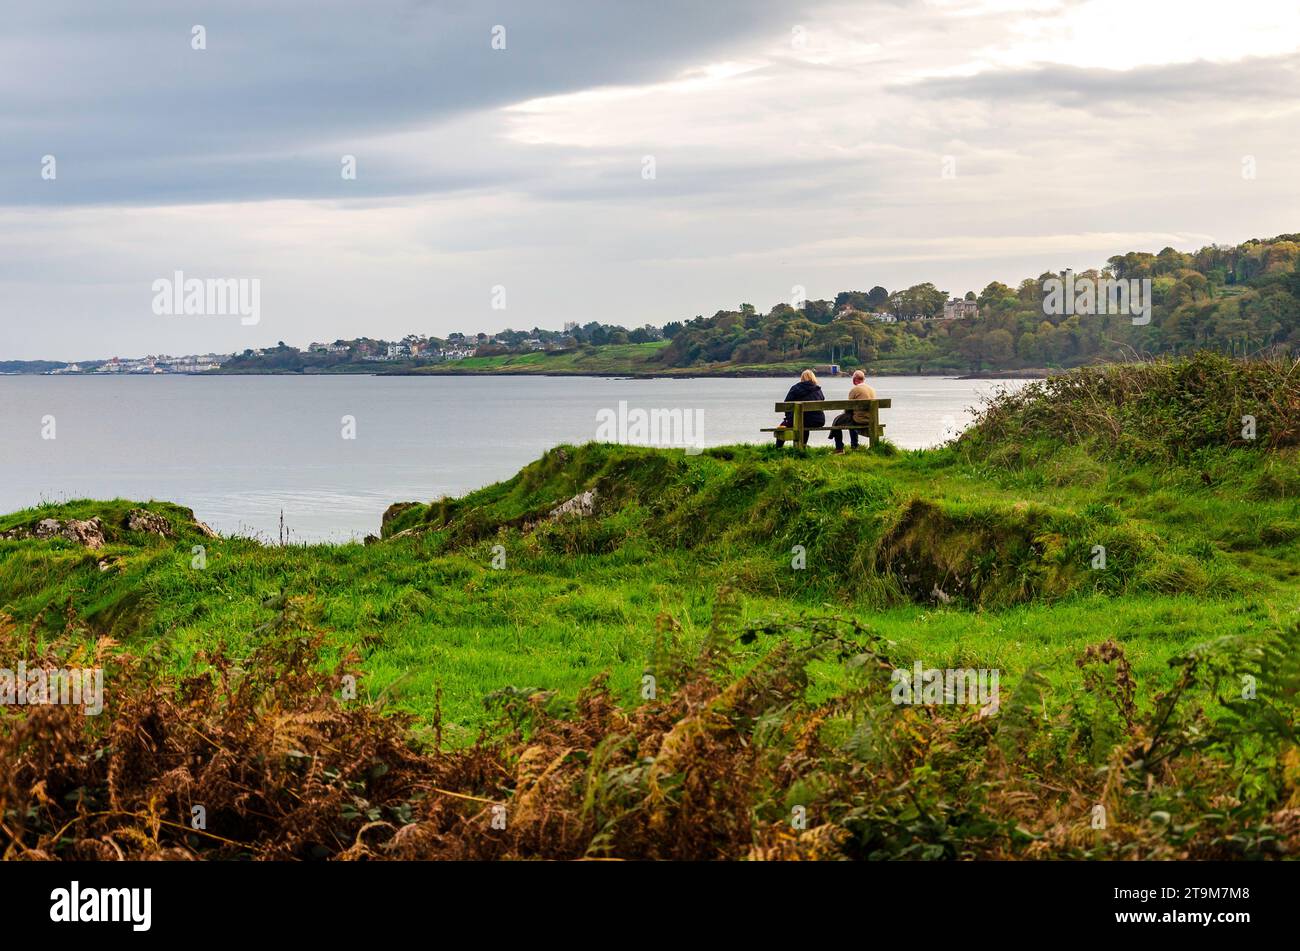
<point x="1239" y="299"/>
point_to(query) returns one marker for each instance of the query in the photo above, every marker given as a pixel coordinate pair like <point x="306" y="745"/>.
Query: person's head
<point x="808" y="376"/>
<point x="859" y="377"/>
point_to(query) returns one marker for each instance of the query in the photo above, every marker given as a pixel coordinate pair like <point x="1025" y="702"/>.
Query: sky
<point x="628" y="163"/>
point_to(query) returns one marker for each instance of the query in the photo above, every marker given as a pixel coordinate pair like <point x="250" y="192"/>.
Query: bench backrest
<point x="832" y="404"/>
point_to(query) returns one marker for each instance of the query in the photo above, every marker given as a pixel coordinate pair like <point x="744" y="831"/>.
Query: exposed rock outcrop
<point x="142" y="520"/>
<point x="97" y="531"/>
<point x="394" y="511"/>
<point x="88" y="532"/>
<point x="581" y="505"/>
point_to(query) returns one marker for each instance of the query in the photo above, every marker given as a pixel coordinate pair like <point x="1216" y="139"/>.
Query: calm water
<point x="240" y="450"/>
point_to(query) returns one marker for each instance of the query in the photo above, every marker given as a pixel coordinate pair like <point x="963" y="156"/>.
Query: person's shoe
<point x="839" y="452"/>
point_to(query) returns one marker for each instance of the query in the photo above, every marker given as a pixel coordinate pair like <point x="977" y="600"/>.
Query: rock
<point x="392" y="512"/>
<point x="200" y="527"/>
<point x="582" y="505"/>
<point x="142" y="520"/>
<point x="88" y="532"/>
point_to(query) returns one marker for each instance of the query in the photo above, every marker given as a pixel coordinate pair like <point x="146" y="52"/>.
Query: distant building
<point x="958" y="307"/>
<point x="885" y="317"/>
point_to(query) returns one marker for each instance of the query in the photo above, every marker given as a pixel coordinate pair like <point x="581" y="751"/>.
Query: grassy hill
<point x="610" y="360"/>
<point x="629" y="359"/>
<point x="714" y="636"/>
<point x="643" y="359"/>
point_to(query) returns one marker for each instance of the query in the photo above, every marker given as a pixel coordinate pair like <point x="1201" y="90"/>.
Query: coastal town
<point x="359" y="351"/>
<point x="344" y="355"/>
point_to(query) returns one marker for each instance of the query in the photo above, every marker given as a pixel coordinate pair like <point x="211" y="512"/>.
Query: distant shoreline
<point x="1035" y="374"/>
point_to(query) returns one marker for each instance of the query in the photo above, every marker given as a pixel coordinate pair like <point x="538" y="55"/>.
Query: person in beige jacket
<point x="859" y="391"/>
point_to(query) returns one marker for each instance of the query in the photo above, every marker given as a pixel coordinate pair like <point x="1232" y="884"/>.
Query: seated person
<point x="859" y="391"/>
<point x="805" y="390"/>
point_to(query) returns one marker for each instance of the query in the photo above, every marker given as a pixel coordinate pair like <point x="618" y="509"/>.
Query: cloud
<point x="1247" y="83"/>
<point x="133" y="113"/>
<point x="793" y="144"/>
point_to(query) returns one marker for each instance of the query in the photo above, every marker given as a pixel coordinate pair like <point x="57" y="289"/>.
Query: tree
<point x="832" y="339"/>
<point x="918" y="301"/>
<point x="801" y="331"/>
<point x="999" y="346"/>
<point x="753" y="351"/>
<point x="819" y="311"/>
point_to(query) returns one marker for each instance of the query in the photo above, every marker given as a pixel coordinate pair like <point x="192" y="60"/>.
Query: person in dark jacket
<point x="805" y="390"/>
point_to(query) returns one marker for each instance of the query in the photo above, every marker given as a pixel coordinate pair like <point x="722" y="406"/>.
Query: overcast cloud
<point x="793" y="143"/>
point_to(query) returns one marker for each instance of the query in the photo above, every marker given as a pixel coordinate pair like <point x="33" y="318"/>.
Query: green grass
<point x="637" y="359"/>
<point x="611" y="360"/>
<point x="1187" y="562"/>
<point x="771" y="593"/>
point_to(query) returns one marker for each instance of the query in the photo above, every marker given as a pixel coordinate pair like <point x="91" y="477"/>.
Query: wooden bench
<point x="873" y="429"/>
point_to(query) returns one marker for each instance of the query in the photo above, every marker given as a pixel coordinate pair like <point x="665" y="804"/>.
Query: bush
<point x="711" y="768"/>
<point x="1156" y="411"/>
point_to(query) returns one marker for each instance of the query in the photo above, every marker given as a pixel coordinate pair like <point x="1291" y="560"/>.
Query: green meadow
<point x="608" y="360"/>
<point x="718" y="632"/>
<point x="1006" y="573"/>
